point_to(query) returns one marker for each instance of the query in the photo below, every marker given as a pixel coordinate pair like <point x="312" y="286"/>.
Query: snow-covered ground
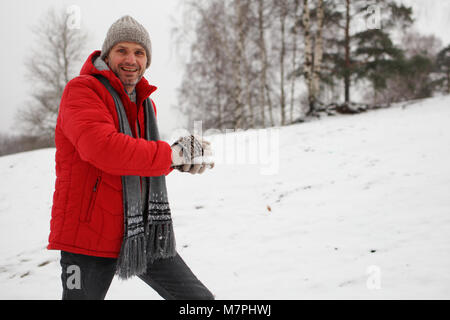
<point x="357" y="207"/>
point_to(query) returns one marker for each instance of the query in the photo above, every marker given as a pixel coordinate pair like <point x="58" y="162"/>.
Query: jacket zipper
<point x="93" y="197"/>
<point x="96" y="184"/>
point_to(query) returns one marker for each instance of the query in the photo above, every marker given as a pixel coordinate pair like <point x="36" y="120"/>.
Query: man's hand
<point x="192" y="154"/>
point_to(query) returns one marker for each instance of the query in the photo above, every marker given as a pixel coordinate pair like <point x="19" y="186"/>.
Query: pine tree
<point x="367" y="54"/>
<point x="376" y="58"/>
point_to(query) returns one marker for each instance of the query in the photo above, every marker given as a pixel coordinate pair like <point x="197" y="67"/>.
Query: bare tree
<point x="414" y="43"/>
<point x="283" y="13"/>
<point x="295" y="35"/>
<point x="50" y="66"/>
<point x="318" y="52"/>
<point x="264" y="95"/>
<point x="308" y="61"/>
<point x="238" y="61"/>
<point x="313" y="53"/>
<point x="347" y="71"/>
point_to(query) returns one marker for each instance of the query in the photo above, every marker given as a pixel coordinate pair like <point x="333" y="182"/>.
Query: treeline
<point x="261" y="63"/>
<point x="10" y="144"/>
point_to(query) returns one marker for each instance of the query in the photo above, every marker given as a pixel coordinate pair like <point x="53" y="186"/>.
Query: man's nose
<point x="130" y="59"/>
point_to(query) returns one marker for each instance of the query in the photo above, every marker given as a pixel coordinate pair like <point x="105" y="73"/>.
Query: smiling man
<point x="111" y="213"/>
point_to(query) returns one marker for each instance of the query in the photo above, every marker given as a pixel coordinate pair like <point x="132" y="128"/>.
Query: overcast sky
<point x="17" y="17"/>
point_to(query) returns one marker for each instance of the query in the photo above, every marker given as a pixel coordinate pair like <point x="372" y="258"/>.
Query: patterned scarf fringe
<point x="161" y="240"/>
<point x="137" y="251"/>
<point x="132" y="259"/>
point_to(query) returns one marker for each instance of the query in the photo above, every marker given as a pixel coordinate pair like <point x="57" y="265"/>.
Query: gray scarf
<point x="148" y="229"/>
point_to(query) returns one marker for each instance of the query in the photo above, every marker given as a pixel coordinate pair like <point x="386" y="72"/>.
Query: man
<point x="110" y="212"/>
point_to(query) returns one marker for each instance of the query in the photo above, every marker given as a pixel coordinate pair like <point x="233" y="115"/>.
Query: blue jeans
<point x="170" y="278"/>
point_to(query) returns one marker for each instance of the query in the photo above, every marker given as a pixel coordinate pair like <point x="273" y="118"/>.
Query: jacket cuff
<point x="168" y="160"/>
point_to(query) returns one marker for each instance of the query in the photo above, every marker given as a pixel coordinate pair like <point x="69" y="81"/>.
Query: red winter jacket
<point x="91" y="157"/>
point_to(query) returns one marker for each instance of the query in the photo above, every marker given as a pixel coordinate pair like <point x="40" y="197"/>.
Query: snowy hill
<point x="356" y="207"/>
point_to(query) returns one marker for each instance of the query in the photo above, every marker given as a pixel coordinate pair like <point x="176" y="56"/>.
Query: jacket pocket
<point x="88" y="214"/>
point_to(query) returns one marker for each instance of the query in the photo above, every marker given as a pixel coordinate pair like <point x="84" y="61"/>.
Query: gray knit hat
<point x="127" y="29"/>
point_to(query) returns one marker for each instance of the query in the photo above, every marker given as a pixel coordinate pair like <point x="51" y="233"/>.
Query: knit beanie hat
<point x="127" y="29"/>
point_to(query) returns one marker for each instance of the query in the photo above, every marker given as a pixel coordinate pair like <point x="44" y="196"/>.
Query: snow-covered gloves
<point x="192" y="154"/>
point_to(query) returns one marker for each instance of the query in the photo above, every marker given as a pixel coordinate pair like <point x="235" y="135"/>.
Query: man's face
<point x="128" y="61"/>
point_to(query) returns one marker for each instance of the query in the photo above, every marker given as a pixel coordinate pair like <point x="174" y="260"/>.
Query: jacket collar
<point x="93" y="66"/>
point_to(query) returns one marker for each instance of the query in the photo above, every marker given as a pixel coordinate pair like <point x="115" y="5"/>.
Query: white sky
<point x="17" y="18"/>
<point x="432" y="17"/>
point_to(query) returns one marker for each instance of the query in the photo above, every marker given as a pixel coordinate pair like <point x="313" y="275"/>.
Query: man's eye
<point x="139" y="53"/>
<point x="121" y="50"/>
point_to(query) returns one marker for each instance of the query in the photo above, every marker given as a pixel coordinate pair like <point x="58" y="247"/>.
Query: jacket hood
<point x="95" y="65"/>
